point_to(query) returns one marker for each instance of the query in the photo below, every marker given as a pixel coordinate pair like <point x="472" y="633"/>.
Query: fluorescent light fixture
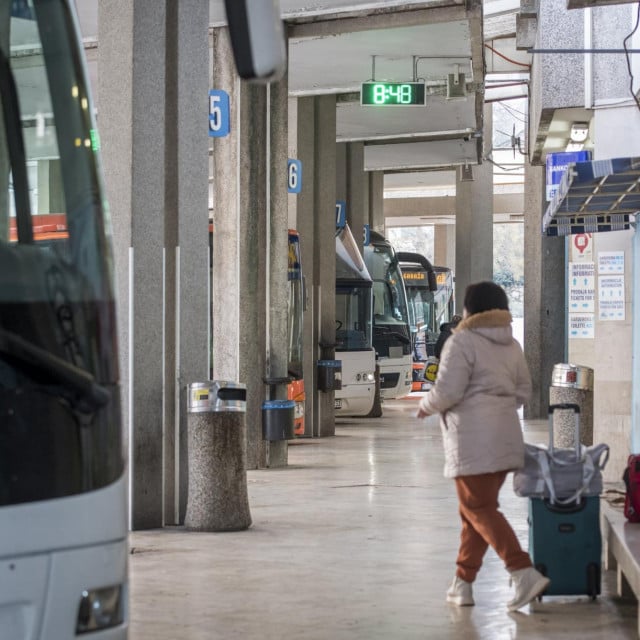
<point x="579" y="132"/>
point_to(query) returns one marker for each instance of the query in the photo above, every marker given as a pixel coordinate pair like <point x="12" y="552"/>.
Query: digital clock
<point x="398" y="94"/>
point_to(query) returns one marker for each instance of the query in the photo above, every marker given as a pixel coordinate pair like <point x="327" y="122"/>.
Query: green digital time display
<point x="397" y="94"/>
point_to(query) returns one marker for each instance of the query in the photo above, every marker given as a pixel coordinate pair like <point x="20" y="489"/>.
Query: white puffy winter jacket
<point x="482" y="381"/>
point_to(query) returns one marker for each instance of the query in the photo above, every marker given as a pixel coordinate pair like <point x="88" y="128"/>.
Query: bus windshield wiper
<point x="393" y="334"/>
<point x="30" y="357"/>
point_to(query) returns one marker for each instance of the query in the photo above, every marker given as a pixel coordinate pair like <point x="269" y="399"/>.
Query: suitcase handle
<point x="569" y="406"/>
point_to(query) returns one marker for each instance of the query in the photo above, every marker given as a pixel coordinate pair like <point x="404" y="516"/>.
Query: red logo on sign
<point x="581" y="241"/>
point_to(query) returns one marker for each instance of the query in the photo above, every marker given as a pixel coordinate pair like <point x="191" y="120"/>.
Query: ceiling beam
<point x="390" y="18"/>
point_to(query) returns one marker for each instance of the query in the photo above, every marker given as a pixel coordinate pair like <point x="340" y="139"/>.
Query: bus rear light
<point x="100" y="609"/>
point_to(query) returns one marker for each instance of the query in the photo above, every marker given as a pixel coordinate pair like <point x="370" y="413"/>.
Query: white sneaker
<point x="529" y="584"/>
<point x="460" y="593"/>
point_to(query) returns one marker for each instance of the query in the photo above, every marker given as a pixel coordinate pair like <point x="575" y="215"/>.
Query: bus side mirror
<point x="433" y="281"/>
<point x="257" y="38"/>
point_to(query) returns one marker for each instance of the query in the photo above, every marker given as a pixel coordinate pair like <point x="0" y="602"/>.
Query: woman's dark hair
<point x="484" y="296"/>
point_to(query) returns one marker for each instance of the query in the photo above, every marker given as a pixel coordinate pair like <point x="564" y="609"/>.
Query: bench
<point x="621" y="541"/>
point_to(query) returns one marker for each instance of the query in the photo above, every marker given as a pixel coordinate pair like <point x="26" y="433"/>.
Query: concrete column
<point x="474" y="224"/>
<point x="341" y="172"/>
<point x="444" y="243"/>
<point x="357" y="183"/>
<point x="131" y="93"/>
<point x="376" y="201"/>
<point x="544" y="295"/>
<point x="316" y="120"/>
<point x="304" y="124"/>
<point x="278" y="292"/>
<point x="186" y="240"/>
<point x="352" y="186"/>
<point x="239" y="243"/>
<point x="324" y="246"/>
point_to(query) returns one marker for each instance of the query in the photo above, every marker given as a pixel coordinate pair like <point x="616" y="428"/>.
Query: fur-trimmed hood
<point x="495" y="325"/>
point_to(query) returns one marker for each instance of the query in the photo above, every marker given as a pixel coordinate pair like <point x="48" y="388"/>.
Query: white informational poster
<point x="610" y="262"/>
<point x="582" y="287"/>
<point x="581" y="325"/>
<point x="611" y="298"/>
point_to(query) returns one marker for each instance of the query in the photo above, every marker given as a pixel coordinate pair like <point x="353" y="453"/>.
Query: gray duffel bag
<point x="562" y="476"/>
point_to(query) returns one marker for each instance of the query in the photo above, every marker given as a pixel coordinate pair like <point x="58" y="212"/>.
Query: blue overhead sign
<point x="557" y="164"/>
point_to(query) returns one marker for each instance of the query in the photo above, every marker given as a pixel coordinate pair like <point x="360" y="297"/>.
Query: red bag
<point x="631" y="479"/>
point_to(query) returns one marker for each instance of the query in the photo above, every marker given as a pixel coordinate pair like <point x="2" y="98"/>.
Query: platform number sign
<point x="218" y="113"/>
<point x="294" y="176"/>
<point x="341" y="213"/>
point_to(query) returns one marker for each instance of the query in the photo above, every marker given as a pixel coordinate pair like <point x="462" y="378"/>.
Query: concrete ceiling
<point x="331" y="49"/>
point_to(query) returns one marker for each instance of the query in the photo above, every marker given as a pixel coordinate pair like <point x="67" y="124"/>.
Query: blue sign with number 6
<point x="294" y="176"/>
<point x="218" y="113"/>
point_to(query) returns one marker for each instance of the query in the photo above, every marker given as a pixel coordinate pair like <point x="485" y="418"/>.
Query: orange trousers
<point x="484" y="525"/>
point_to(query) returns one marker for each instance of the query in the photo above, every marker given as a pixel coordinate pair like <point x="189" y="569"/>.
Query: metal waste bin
<point x="278" y="420"/>
<point x="573" y="384"/>
<point x="329" y="375"/>
<point x="217" y="455"/>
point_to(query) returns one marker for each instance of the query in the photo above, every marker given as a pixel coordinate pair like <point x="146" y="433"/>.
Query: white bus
<point x="353" y="329"/>
<point x="391" y="329"/>
<point x="63" y="496"/>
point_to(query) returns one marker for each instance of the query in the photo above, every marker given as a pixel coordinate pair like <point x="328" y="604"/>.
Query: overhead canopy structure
<point x="601" y="195"/>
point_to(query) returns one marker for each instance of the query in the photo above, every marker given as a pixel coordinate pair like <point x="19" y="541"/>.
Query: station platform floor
<point x="355" y="539"/>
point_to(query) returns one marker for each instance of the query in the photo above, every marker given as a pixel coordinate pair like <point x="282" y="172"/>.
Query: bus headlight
<point x="100" y="609"/>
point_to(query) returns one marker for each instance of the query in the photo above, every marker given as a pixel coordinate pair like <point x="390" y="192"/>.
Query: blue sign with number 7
<point x="218" y="113"/>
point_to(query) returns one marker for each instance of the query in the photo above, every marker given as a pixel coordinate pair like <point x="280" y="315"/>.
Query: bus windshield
<point x="390" y="311"/>
<point x="61" y="423"/>
<point x="353" y="316"/>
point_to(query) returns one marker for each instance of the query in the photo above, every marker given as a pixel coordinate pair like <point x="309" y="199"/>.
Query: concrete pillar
<point x="304" y="134"/>
<point x="357" y="183"/>
<point x="376" y="201"/>
<point x="444" y="245"/>
<point x="131" y="93"/>
<point x="277" y="365"/>
<point x="341" y="172"/>
<point x="324" y="244"/>
<point x="316" y="122"/>
<point x="186" y="239"/>
<point x="239" y="243"/>
<point x="474" y="223"/>
<point x="544" y="295"/>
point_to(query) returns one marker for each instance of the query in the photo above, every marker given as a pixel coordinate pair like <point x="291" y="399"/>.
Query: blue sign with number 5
<point x="218" y="113"/>
<point x="294" y="176"/>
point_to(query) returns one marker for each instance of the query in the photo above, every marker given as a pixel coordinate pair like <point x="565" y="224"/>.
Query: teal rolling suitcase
<point x="565" y="543"/>
<point x="566" y="546"/>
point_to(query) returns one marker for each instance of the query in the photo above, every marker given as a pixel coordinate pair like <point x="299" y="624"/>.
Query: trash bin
<point x="217" y="499"/>
<point x="329" y="375"/>
<point x="278" y="419"/>
<point x="573" y="384"/>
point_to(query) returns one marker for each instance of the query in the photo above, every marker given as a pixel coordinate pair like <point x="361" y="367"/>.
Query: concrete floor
<point x="356" y="539"/>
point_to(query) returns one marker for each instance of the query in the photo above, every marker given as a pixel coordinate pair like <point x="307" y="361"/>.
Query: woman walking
<point x="482" y="381"/>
